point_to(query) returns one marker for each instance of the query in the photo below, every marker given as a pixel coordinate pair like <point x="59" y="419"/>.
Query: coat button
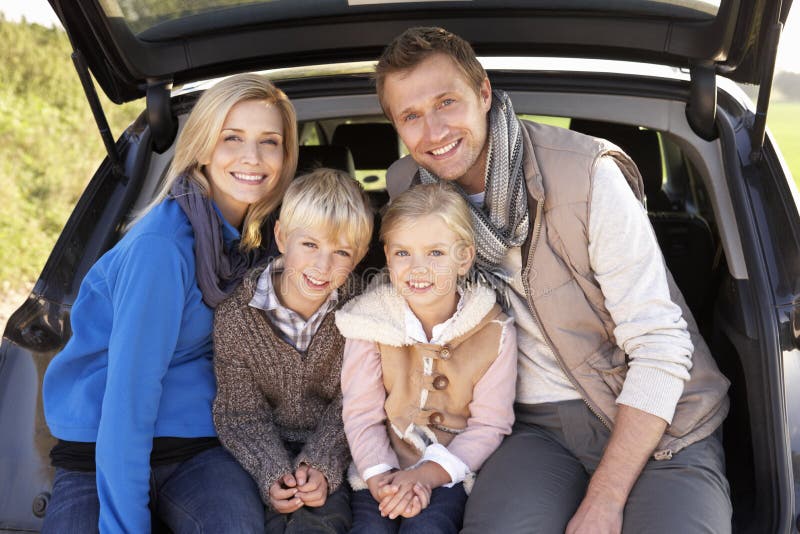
<point x="440" y="382"/>
<point x="444" y="353"/>
<point x="436" y="418"/>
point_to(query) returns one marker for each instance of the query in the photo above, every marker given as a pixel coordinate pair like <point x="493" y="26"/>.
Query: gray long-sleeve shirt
<point x="628" y="265"/>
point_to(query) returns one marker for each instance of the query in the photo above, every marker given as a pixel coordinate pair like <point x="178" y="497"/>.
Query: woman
<point x="130" y="395"/>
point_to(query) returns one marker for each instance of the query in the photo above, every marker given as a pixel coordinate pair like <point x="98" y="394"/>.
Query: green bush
<point x="49" y="145"/>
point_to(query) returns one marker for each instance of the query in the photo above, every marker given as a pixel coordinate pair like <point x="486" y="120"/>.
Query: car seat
<point x="686" y="240"/>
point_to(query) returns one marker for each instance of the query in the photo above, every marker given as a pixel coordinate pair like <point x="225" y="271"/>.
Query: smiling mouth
<point x="419" y="285"/>
<point x="249" y="178"/>
<point x="445" y="150"/>
<point x="315" y="283"/>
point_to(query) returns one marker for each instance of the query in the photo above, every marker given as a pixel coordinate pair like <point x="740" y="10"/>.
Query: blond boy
<point x="278" y="355"/>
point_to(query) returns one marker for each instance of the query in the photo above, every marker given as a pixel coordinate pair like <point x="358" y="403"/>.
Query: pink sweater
<point x="491" y="409"/>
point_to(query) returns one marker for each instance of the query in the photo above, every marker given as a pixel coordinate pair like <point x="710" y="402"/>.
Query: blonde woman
<point x="130" y="395"/>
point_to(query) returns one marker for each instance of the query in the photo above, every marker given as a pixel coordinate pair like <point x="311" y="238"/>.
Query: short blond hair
<point x="331" y="200"/>
<point x="198" y="139"/>
<point x="440" y="200"/>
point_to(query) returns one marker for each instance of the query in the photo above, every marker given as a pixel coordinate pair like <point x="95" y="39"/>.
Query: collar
<point x="416" y="331"/>
<point x="379" y="315"/>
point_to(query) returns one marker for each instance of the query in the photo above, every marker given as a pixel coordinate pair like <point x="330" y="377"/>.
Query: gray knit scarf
<point x="219" y="269"/>
<point x="504" y="222"/>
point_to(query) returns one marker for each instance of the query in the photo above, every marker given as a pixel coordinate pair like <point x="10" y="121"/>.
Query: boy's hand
<point x="376" y="483"/>
<point x="312" y="486"/>
<point x="282" y="495"/>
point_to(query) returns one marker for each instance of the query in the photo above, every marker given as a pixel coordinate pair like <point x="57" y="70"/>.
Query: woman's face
<point x="247" y="159"/>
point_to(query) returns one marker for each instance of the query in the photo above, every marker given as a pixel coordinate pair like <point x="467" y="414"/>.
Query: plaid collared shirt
<point x="296" y="330"/>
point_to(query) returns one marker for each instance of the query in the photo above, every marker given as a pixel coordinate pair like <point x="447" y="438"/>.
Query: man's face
<point x="441" y="119"/>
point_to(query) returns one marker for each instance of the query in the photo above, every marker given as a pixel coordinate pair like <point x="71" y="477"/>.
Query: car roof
<point x="130" y="45"/>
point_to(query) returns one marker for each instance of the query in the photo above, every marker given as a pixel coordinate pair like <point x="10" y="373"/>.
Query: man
<point x="618" y="398"/>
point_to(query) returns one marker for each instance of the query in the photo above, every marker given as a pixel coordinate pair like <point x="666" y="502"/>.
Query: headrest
<point x="335" y="157"/>
<point x="641" y="145"/>
<point x="374" y="144"/>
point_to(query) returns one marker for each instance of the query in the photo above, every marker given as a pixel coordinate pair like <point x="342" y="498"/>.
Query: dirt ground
<point x="10" y="300"/>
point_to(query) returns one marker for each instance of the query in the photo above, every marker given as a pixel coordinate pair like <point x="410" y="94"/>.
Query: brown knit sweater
<point x="269" y="394"/>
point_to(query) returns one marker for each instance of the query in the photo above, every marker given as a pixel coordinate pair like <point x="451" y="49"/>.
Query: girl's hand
<point x="398" y="497"/>
<point x="420" y="501"/>
<point x="377" y="484"/>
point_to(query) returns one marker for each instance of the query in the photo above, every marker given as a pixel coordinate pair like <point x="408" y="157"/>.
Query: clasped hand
<point x="403" y="493"/>
<point x="305" y="487"/>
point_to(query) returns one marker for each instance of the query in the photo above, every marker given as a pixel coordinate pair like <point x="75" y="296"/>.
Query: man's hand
<point x="598" y="516"/>
<point x="635" y="436"/>
<point x="312" y="486"/>
<point x="282" y="495"/>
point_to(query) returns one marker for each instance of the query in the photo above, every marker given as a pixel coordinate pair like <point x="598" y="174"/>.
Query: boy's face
<point x="441" y="119"/>
<point x="314" y="265"/>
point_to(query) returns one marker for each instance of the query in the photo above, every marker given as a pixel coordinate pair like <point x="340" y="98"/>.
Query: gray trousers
<point x="537" y="478"/>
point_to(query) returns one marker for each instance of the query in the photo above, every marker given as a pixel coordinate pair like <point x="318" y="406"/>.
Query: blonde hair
<point x="198" y="139"/>
<point x="440" y="200"/>
<point x="332" y="200"/>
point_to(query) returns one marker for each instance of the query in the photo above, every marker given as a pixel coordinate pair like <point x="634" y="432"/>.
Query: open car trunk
<point x="722" y="207"/>
<point x="707" y="211"/>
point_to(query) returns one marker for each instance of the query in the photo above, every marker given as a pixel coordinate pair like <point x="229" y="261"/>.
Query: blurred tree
<point x="788" y="83"/>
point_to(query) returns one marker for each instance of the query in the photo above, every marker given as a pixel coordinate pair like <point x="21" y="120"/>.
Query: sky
<point x="39" y="11"/>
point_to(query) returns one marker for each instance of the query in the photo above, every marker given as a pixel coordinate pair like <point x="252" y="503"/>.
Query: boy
<point x="278" y="356"/>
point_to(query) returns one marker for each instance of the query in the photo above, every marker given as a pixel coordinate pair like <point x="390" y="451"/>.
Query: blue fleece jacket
<point x="138" y="365"/>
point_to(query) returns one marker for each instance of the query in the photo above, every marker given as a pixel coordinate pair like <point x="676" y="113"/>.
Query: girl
<point x="429" y="371"/>
<point x="129" y="397"/>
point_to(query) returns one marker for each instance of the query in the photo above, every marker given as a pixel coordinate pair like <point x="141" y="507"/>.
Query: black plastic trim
<point x="774" y="486"/>
<point x="123" y="62"/>
<point x="162" y="121"/>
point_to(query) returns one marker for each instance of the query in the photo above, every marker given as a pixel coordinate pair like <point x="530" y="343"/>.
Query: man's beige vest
<point x="456" y="369"/>
<point x="564" y="296"/>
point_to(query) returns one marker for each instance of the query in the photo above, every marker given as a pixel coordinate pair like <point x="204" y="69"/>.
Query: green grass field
<point x="783" y="120"/>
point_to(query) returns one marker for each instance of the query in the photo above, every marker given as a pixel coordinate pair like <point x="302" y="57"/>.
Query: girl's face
<point x="247" y="159"/>
<point x="425" y="259"/>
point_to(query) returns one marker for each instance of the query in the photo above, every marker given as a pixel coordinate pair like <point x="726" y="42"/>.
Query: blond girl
<point x="428" y="378"/>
